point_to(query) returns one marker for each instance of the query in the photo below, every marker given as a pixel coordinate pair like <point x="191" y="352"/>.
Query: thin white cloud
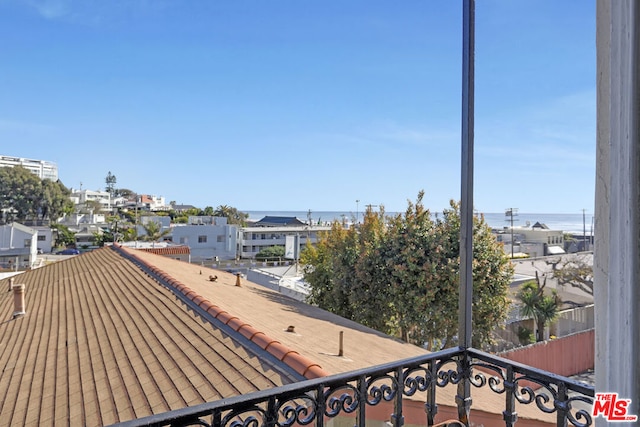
<point x="22" y="126"/>
<point x="51" y="9"/>
<point x="392" y="135"/>
<point x="94" y="12"/>
<point x="561" y="131"/>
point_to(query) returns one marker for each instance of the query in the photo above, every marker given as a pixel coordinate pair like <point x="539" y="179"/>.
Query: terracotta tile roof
<point x="168" y="250"/>
<point x="314" y="341"/>
<point x="126" y="347"/>
<point x="301" y="364"/>
<point x="103" y="342"/>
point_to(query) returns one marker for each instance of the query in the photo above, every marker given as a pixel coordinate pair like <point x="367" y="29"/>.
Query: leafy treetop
<point x="400" y="275"/>
<point x="24" y="196"/>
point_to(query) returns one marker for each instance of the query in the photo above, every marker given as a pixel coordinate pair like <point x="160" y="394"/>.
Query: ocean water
<point x="570" y="223"/>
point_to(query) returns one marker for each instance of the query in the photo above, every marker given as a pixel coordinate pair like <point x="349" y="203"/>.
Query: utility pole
<point x="584" y="231"/>
<point x="510" y="213"/>
<point x="357" y="210"/>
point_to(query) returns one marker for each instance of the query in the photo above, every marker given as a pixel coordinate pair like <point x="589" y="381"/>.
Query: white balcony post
<point x="617" y="212"/>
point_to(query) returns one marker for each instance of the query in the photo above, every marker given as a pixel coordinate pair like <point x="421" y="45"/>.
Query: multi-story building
<point x="80" y="197"/>
<point x="152" y="203"/>
<point x="42" y="168"/>
<point x="209" y="238"/>
<point x="536" y="240"/>
<point x="44" y="239"/>
<point x="252" y="240"/>
<point x="18" y="246"/>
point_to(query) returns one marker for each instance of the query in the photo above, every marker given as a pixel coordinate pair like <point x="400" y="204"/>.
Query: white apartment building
<point x="209" y="238"/>
<point x="42" y="168"/>
<point x="80" y="197"/>
<point x="75" y="220"/>
<point x="536" y="240"/>
<point x="254" y="239"/>
<point x="44" y="239"/>
<point x="18" y="246"/>
<point x="152" y="203"/>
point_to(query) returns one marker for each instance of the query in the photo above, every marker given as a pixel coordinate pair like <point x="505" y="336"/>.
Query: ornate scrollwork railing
<point x="312" y="402"/>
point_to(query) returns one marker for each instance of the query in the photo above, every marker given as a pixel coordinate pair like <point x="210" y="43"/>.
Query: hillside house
<point x="18" y="246"/>
<point x="81" y="197"/>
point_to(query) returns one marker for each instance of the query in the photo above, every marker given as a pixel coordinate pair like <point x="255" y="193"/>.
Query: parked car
<point x="68" y="251"/>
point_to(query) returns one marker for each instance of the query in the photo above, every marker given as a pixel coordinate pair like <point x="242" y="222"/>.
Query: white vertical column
<point x="617" y="211"/>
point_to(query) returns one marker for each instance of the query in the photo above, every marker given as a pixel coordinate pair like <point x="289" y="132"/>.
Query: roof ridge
<point x="299" y="363"/>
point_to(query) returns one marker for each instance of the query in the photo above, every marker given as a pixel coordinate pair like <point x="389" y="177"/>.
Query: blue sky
<point x="296" y="105"/>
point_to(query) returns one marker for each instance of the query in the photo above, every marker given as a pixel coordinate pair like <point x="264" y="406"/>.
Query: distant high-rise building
<point x="42" y="168"/>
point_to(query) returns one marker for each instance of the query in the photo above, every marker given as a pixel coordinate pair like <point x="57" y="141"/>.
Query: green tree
<point x="19" y="192"/>
<point x="321" y="271"/>
<point x="153" y="231"/>
<point x="102" y="237"/>
<point x="492" y="275"/>
<point x="409" y="252"/>
<point x="63" y="236"/>
<point x="272" y="252"/>
<point x="129" y="233"/>
<point x="400" y="275"/>
<point x="233" y="215"/>
<point x="110" y="180"/>
<point x="24" y="196"/>
<point x="542" y="307"/>
<point x="92" y="206"/>
<point x="371" y="292"/>
<point x="124" y="192"/>
<point x="208" y="211"/>
<point x="54" y="200"/>
<point x="182" y="219"/>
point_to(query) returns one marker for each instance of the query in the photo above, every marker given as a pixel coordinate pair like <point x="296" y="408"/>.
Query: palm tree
<point x="233" y="215"/>
<point x="153" y="231"/>
<point x="541" y="307"/>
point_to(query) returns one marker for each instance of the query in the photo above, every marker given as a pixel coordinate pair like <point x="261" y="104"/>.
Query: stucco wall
<point x="617" y="226"/>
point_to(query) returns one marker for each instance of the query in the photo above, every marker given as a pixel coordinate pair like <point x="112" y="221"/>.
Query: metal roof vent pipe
<point x="18" y="300"/>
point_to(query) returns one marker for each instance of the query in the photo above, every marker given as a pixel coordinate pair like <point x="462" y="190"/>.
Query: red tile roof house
<point x="179" y="252"/>
<point x="118" y="334"/>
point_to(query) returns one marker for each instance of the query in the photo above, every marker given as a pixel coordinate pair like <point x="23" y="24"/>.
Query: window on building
<point x="42" y="238"/>
<point x="183" y="240"/>
<point x="202" y="239"/>
<point x="220" y="238"/>
<point x="27" y="243"/>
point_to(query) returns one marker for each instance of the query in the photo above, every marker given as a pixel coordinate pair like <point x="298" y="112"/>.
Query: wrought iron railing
<point x="313" y="402"/>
